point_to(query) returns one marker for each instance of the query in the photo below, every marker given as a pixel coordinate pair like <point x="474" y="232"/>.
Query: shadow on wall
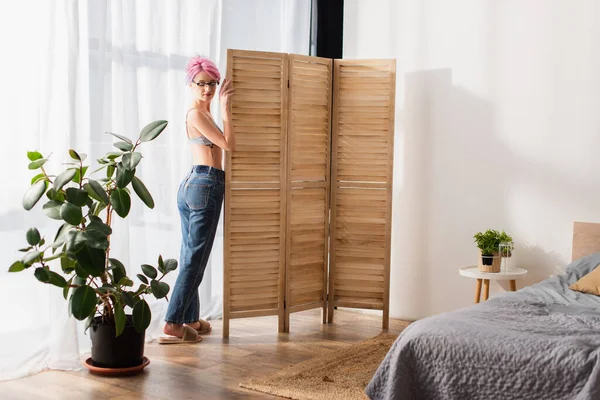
<point x="453" y="178"/>
<point x="539" y="262"/>
<point x="452" y="170"/>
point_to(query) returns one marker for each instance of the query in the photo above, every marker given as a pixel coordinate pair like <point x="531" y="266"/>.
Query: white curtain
<point x="74" y="70"/>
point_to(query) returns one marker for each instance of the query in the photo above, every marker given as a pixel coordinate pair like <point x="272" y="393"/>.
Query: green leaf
<point x="152" y="130"/>
<point x="120" y="319"/>
<point x="96" y="239"/>
<point x="88" y="321"/>
<point x="159" y="289"/>
<point x="42" y="275"/>
<point x="123" y="146"/>
<point x="37" y="178"/>
<point x="64" y="178"/>
<point x="142" y="278"/>
<point x="110" y="170"/>
<point x="123" y="138"/>
<point x="121" y="202"/>
<point x="74" y="155"/>
<point x="127" y="298"/>
<point x="107" y="288"/>
<point x="125" y="281"/>
<point x="67" y="264"/>
<point x="96" y="191"/>
<point x="149" y="271"/>
<point x="77" y="196"/>
<point x="25" y="249"/>
<point x="56" y="279"/>
<point x="170" y="265"/>
<point x="33" y="195"/>
<point x="34" y="155"/>
<point x="113" y="155"/>
<point x="78" y="174"/>
<point x="141" y="316"/>
<point x="131" y="160"/>
<point x="54" y="195"/>
<point x="61" y="235"/>
<point x="75" y="240"/>
<point x="31" y="257"/>
<point x="98" y="225"/>
<point x="141" y="289"/>
<point x="81" y="273"/>
<point x="91" y="260"/>
<point x="124" y="176"/>
<point x="33" y="236"/>
<point x="119" y="272"/>
<point x="71" y="213"/>
<point x="142" y="192"/>
<point x="37" y="164"/>
<point x="99" y="208"/>
<point x="52" y="209"/>
<point x="67" y="288"/>
<point x="17" y="266"/>
<point x="83" y="302"/>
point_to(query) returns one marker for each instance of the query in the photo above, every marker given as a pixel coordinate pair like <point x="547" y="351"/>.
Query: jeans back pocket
<point x="196" y="195"/>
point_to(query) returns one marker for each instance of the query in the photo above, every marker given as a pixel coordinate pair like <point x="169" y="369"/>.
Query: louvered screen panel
<point x="255" y="195"/>
<point x="363" y="145"/>
<point x="309" y="122"/>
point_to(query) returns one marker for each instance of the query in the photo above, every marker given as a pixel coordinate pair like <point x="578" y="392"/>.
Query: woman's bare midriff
<point x="204" y="155"/>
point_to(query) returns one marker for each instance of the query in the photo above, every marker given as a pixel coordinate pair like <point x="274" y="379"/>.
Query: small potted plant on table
<point x="488" y="243"/>
<point x="95" y="284"/>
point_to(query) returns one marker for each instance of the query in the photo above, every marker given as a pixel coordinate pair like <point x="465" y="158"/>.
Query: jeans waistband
<point x="206" y="170"/>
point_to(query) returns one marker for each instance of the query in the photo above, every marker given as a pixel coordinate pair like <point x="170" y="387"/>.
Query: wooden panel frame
<point x="586" y="239"/>
<point x="244" y="92"/>
<point x="311" y="184"/>
<point x="349" y="82"/>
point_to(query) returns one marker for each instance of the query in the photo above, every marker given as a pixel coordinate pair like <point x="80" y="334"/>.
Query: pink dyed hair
<point x="201" y="64"/>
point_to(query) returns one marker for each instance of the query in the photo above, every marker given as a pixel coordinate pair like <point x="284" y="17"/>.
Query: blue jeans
<point x="199" y="200"/>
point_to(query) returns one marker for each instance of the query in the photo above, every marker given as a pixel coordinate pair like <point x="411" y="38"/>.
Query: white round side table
<point x="511" y="275"/>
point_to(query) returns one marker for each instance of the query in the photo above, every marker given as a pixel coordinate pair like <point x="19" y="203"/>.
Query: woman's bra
<point x="201" y="140"/>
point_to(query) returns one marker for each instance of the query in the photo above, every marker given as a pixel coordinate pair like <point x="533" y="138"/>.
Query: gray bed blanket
<point x="541" y="342"/>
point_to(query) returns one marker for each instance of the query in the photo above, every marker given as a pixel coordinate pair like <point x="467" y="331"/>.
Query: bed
<point x="541" y="342"/>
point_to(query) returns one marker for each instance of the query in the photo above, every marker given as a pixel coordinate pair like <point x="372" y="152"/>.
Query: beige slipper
<point x="205" y="327"/>
<point x="189" y="336"/>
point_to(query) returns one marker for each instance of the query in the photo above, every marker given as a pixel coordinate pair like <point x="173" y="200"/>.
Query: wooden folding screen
<point x="277" y="207"/>
<point x="361" y="187"/>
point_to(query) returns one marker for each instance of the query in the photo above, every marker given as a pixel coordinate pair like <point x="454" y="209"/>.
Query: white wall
<point x="498" y="126"/>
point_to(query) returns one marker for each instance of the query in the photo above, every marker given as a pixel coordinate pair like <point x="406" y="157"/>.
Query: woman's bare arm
<point x="225" y="95"/>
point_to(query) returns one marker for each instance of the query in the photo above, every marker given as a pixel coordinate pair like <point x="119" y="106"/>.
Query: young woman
<point x="199" y="198"/>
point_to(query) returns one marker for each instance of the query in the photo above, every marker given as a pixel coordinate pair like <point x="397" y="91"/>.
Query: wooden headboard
<point x="586" y="239"/>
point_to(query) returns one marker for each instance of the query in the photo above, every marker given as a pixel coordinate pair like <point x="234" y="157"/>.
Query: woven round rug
<point x="339" y="374"/>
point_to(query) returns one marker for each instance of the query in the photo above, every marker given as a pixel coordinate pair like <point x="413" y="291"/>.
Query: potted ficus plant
<point x="95" y="284"/>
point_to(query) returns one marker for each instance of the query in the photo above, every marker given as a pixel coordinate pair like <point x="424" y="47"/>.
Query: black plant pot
<point x="109" y="351"/>
<point x="487" y="260"/>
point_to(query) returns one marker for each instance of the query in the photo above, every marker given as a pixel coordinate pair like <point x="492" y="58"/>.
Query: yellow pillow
<point x="589" y="283"/>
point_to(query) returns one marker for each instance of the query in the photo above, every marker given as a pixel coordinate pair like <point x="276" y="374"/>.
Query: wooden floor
<point x="213" y="368"/>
